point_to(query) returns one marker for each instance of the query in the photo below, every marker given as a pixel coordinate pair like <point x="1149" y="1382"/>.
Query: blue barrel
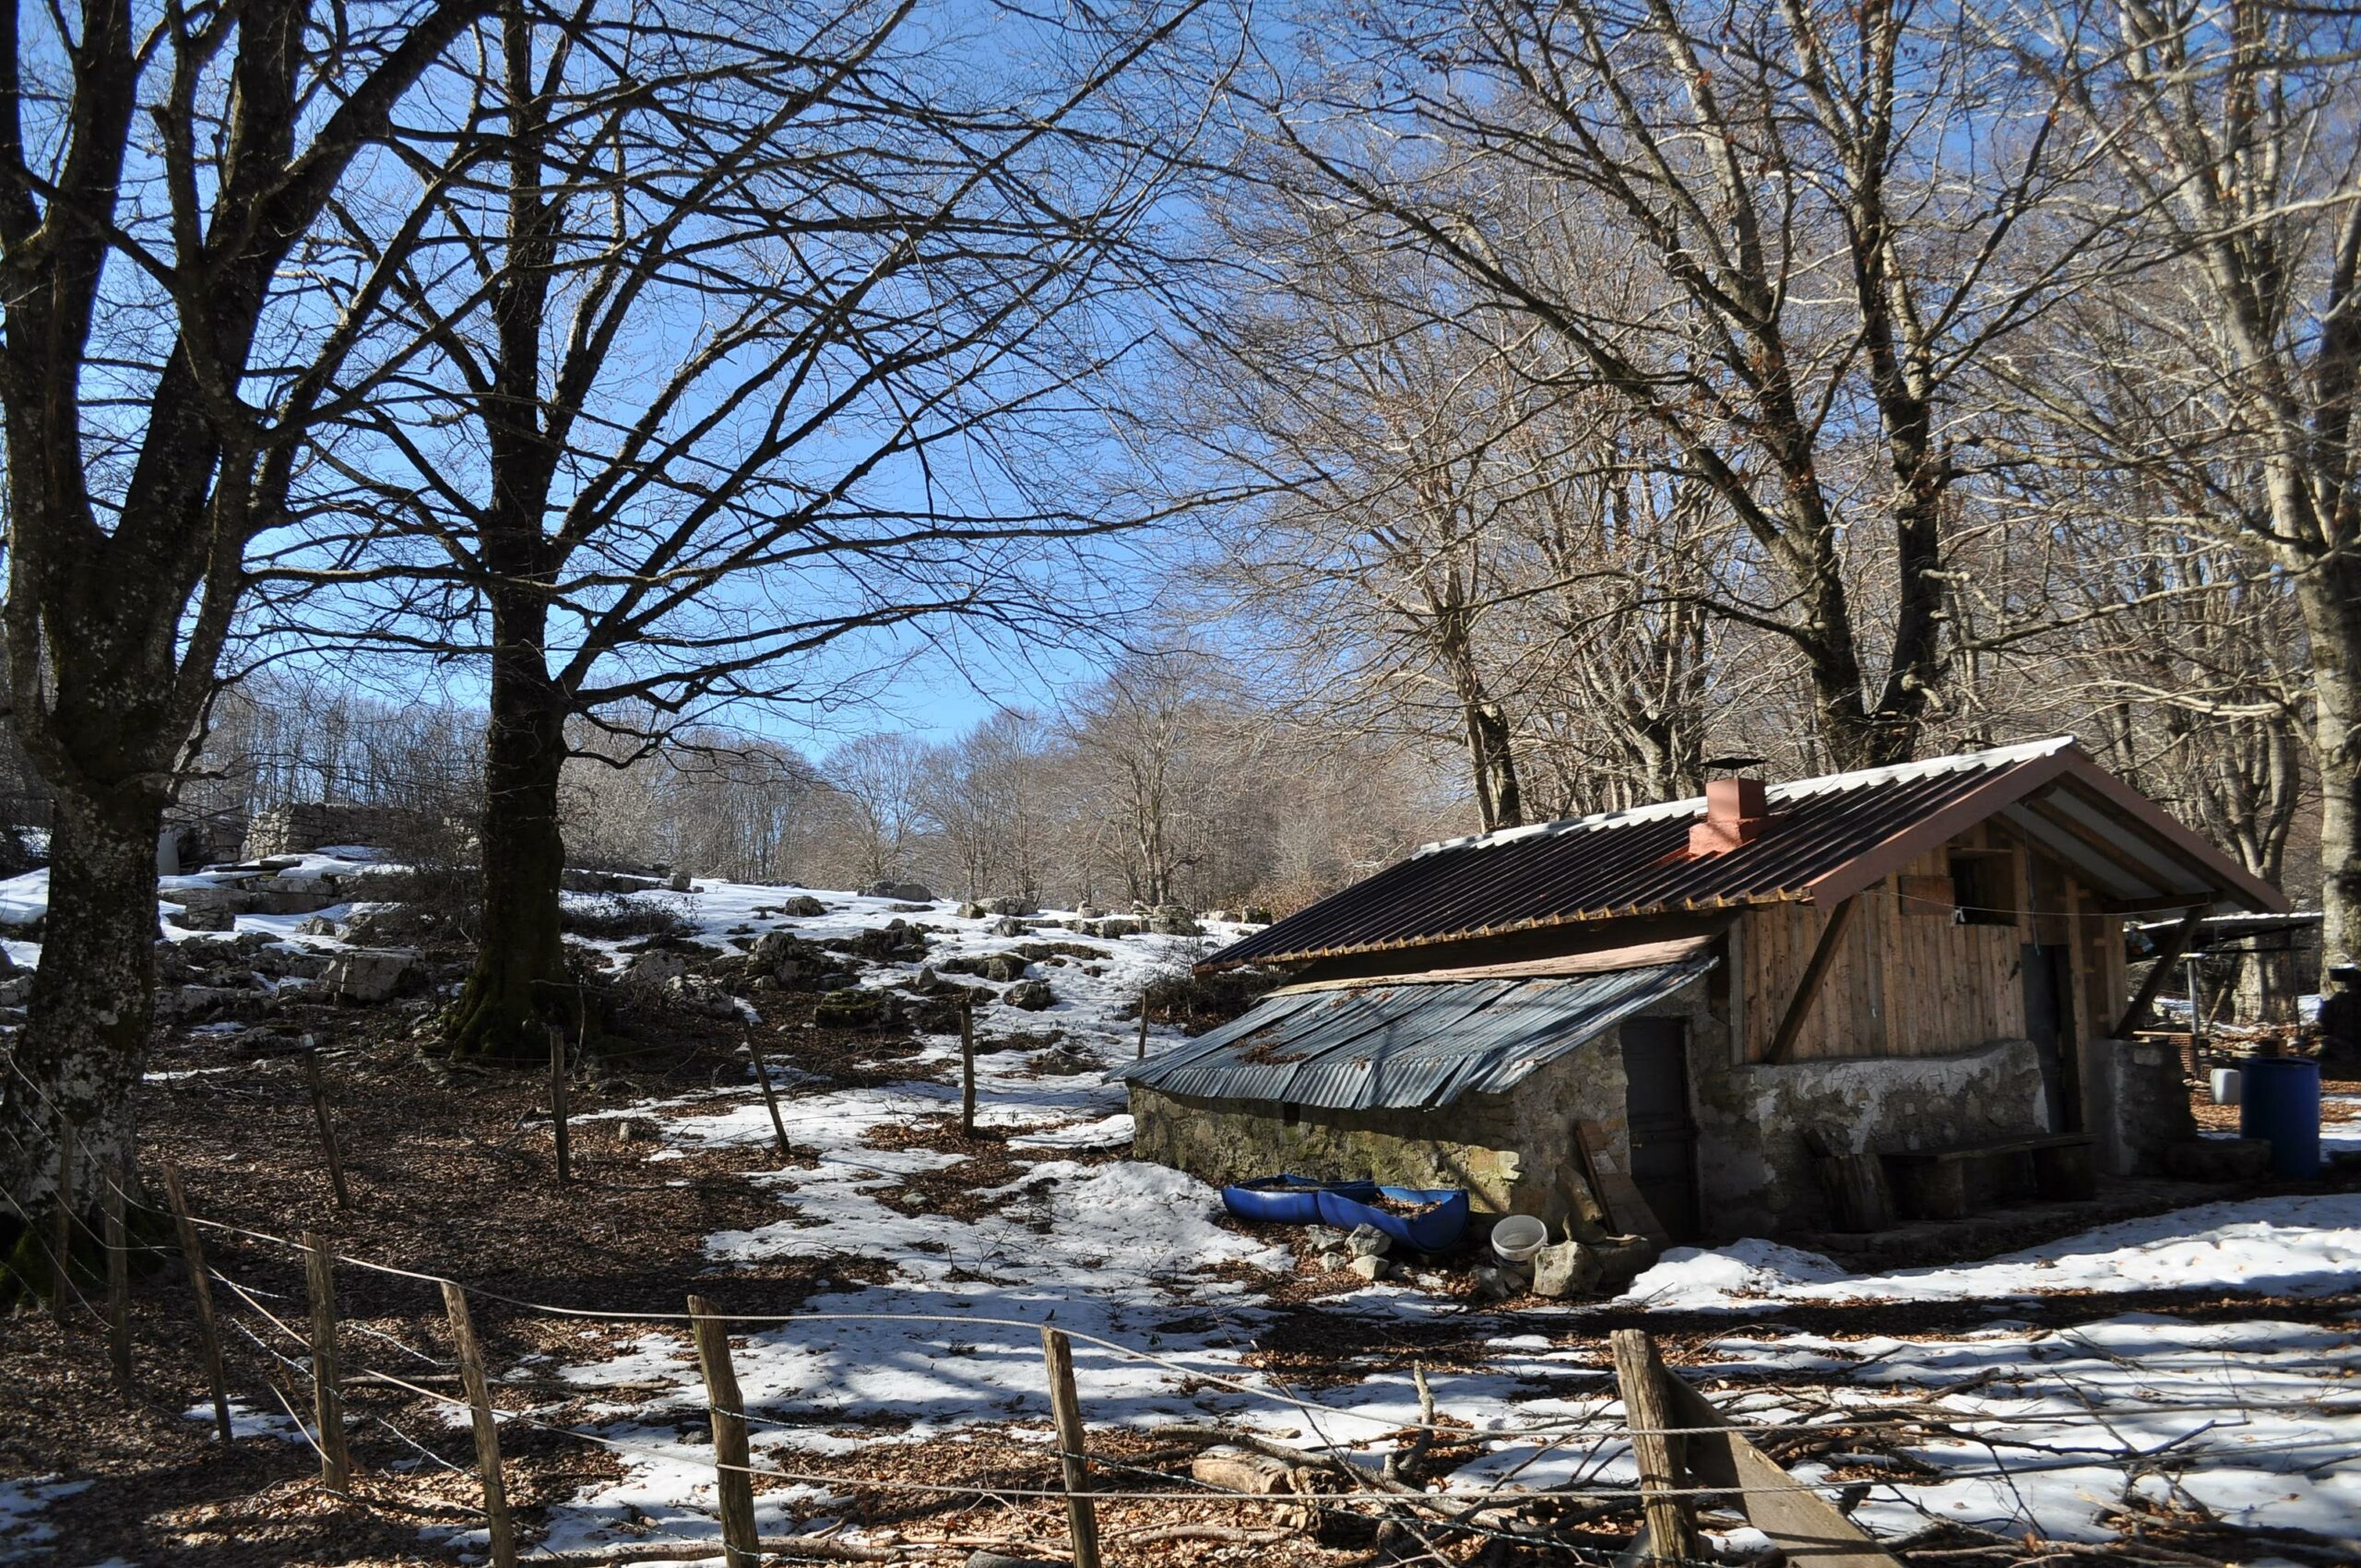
<point x="2279" y="1099"/>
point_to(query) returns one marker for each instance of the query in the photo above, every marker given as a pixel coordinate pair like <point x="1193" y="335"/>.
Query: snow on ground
<point x="21" y="1501"/>
<point x="2053" y="1427"/>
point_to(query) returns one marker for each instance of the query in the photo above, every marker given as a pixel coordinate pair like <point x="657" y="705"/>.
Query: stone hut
<point x="1713" y="997"/>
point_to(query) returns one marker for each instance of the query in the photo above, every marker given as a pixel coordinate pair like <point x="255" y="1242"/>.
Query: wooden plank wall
<point x="1909" y="982"/>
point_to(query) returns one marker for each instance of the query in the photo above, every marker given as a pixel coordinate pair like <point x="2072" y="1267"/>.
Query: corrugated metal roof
<point x="1827" y="838"/>
<point x="1405" y="1047"/>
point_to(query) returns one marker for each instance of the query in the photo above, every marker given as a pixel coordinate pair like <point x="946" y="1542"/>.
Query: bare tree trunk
<point x="2330" y="597"/>
<point x="520" y="981"/>
<point x="85" y="1045"/>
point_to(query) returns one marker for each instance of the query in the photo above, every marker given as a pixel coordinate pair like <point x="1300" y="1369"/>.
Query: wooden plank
<point x="770" y="1097"/>
<point x="1639" y="1377"/>
<point x="1823" y="957"/>
<point x="1627" y="1210"/>
<point x="1802" y="1523"/>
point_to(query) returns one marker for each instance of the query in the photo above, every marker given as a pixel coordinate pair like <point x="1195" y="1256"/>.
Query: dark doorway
<point x="1655" y="1108"/>
<point x="2049" y="991"/>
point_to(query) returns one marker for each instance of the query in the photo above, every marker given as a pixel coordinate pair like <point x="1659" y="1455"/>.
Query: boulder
<point x="679" y="882"/>
<point x="1569" y="1268"/>
<point x="854" y="1008"/>
<point x="693" y="993"/>
<point x="1008" y="925"/>
<point x="1173" y="920"/>
<point x="1089" y="912"/>
<point x="1011" y="906"/>
<point x="1494" y="1283"/>
<point x="17" y="990"/>
<point x="203" y="918"/>
<point x="1030" y="996"/>
<point x="656" y="967"/>
<point x="1119" y="925"/>
<point x="1254" y="914"/>
<point x="1368" y="1241"/>
<point x="1620" y="1259"/>
<point x="370" y="974"/>
<point x="1369" y="1267"/>
<point x="1330" y="1261"/>
<point x="2219" y="1159"/>
<point x="803" y="906"/>
<point x="900" y="892"/>
<point x="318" y="925"/>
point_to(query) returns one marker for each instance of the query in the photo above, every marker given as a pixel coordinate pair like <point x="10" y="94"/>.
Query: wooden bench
<point x="1952" y="1184"/>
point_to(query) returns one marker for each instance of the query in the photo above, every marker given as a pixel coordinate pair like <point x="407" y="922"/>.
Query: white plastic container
<point x="1517" y="1237"/>
<point x="2225" y="1086"/>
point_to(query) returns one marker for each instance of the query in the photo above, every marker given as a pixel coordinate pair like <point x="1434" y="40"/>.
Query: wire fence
<point x="1327" y="1484"/>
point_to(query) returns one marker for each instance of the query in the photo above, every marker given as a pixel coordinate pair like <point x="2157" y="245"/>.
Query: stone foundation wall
<point x="290" y="829"/>
<point x="2138" y="1104"/>
<point x="1756" y="1174"/>
<point x="1507" y="1150"/>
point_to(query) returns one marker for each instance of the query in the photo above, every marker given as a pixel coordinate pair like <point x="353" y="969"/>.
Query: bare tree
<point x="178" y="320"/>
<point x="878" y="776"/>
<point x="794" y="337"/>
<point x="1824" y="213"/>
<point x="2234" y="155"/>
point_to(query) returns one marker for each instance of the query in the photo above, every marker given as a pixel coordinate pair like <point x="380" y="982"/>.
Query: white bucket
<point x="2225" y="1086"/>
<point x="1517" y="1237"/>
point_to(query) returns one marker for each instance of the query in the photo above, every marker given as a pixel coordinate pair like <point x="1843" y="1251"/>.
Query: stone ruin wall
<point x="294" y="828"/>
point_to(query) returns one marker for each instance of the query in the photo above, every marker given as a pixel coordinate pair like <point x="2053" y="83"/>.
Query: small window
<point x="1292" y="1115"/>
<point x="1984" y="887"/>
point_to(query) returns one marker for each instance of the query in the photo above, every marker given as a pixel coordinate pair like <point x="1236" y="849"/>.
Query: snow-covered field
<point x="2040" y="1429"/>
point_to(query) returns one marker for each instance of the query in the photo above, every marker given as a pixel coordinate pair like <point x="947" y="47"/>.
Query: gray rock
<point x="1117" y="925"/>
<point x="804" y="907"/>
<point x="2219" y="1159"/>
<point x="1569" y="1268"/>
<point x="1369" y="1241"/>
<point x="1173" y="920"/>
<point x="900" y="892"/>
<point x="1330" y="1263"/>
<point x="1030" y="996"/>
<point x="1494" y="1283"/>
<point x="656" y="967"/>
<point x="369" y="974"/>
<point x="1089" y="912"/>
<point x="17" y="990"/>
<point x="1620" y="1259"/>
<point x="200" y="917"/>
<point x="693" y="993"/>
<point x="1008" y="925"/>
<point x="1369" y="1267"/>
<point x="1011" y="906"/>
<point x="678" y="883"/>
<point x="318" y="926"/>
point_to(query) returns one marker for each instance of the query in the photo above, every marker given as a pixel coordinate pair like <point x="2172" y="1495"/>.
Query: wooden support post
<point x="502" y="1529"/>
<point x="966" y="1069"/>
<point x="327" y="1395"/>
<point x="732" y="1459"/>
<point x="1082" y="1514"/>
<point x="2176" y="943"/>
<point x="118" y="1281"/>
<point x="559" y="1106"/>
<point x="1807" y="1529"/>
<point x="1639" y="1378"/>
<point x="1823" y="957"/>
<point x="328" y="1127"/>
<point x="770" y="1097"/>
<point x="1140" y="1054"/>
<point x="62" y="1237"/>
<point x="209" y="1332"/>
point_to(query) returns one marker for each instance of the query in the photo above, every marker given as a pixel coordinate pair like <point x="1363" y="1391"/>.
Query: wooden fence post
<point x="770" y="1097"/>
<point x="62" y="1237"/>
<point x="1081" y="1514"/>
<point x="501" y="1528"/>
<point x="1141" y="1053"/>
<point x="118" y="1281"/>
<point x="327" y="1395"/>
<point x="209" y="1332"/>
<point x="328" y="1127"/>
<point x="966" y="1068"/>
<point x="558" y="1106"/>
<point x="731" y="1459"/>
<point x="1639" y="1377"/>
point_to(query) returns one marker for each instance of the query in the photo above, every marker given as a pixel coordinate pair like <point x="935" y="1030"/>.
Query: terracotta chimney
<point x="1737" y="810"/>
